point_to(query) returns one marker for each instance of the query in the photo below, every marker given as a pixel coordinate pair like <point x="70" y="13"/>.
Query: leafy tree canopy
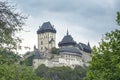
<point x="10" y="23"/>
<point x="55" y="50"/>
<point x="17" y="72"/>
<point x="28" y="61"/>
<point x="118" y="18"/>
<point x="8" y="57"/>
<point x="105" y="64"/>
<point x="60" y="73"/>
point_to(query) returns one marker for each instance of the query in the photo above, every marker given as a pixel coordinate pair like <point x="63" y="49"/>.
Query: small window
<point x="41" y="42"/>
<point x="41" y="48"/>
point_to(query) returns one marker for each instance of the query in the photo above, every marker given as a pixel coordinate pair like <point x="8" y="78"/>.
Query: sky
<point x="86" y="20"/>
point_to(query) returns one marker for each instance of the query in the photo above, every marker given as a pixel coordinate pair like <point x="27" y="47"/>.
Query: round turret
<point x="67" y="40"/>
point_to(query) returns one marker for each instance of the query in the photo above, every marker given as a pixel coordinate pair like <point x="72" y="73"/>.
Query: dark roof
<point x="46" y="27"/>
<point x="70" y="50"/>
<point x="67" y="40"/>
<point x="37" y="54"/>
<point x="84" y="47"/>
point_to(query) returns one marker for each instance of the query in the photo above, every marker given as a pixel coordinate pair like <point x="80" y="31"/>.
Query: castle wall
<point x="86" y="57"/>
<point x="44" y="41"/>
<point x="71" y="60"/>
<point x="64" y="60"/>
<point x="38" y="62"/>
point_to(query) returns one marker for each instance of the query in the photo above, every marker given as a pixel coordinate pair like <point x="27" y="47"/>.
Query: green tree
<point x="105" y="64"/>
<point x="60" y="73"/>
<point x="10" y="23"/>
<point x="28" y="61"/>
<point x="8" y="57"/>
<point x="118" y="18"/>
<point x="17" y="72"/>
<point x="11" y="71"/>
<point x="55" y="50"/>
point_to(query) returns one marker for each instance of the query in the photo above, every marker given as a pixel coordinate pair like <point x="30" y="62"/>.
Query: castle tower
<point x="46" y="37"/>
<point x="67" y="41"/>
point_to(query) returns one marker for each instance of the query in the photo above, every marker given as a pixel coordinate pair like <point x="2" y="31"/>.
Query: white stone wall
<point x="43" y="41"/>
<point x="71" y="60"/>
<point x="64" y="60"/>
<point x="38" y="62"/>
<point x="86" y="57"/>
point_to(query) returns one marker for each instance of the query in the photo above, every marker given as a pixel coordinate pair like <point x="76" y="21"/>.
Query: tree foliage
<point x="17" y="72"/>
<point x="55" y="50"/>
<point x="10" y="23"/>
<point x="9" y="70"/>
<point x="28" y="61"/>
<point x="118" y="18"/>
<point x="8" y="57"/>
<point x="61" y="73"/>
<point x="105" y="64"/>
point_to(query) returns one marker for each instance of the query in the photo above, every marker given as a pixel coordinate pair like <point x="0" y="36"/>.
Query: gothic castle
<point x="71" y="53"/>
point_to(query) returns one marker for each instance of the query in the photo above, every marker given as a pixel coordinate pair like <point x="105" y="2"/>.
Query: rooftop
<point x="70" y="50"/>
<point x="67" y="40"/>
<point x="37" y="54"/>
<point x="84" y="47"/>
<point x="46" y="27"/>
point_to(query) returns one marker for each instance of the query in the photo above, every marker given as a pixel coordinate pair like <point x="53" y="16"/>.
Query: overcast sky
<point x="86" y="20"/>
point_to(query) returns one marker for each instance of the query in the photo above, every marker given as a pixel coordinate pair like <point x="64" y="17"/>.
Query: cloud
<point x="87" y="20"/>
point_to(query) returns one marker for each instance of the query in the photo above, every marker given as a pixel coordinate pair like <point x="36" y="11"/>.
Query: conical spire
<point x="35" y="47"/>
<point x="67" y="32"/>
<point x="89" y="44"/>
<point x="67" y="40"/>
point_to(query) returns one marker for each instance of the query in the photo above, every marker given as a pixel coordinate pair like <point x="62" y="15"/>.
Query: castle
<point x="71" y="53"/>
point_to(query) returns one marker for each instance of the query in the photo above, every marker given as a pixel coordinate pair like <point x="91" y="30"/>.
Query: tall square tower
<point x="46" y="37"/>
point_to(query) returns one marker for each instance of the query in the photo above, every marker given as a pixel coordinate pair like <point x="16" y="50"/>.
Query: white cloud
<point x="85" y="20"/>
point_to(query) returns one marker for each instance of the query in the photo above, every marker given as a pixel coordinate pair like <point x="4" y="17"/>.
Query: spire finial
<point x="67" y="32"/>
<point x="88" y="44"/>
<point x="34" y="47"/>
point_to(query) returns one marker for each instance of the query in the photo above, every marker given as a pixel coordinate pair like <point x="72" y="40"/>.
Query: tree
<point x="9" y="70"/>
<point x="105" y="64"/>
<point x="55" y="50"/>
<point x="8" y="57"/>
<point x="10" y="23"/>
<point x="118" y="18"/>
<point x="60" y="73"/>
<point x="28" y="61"/>
<point x="105" y="60"/>
<point x="17" y="72"/>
